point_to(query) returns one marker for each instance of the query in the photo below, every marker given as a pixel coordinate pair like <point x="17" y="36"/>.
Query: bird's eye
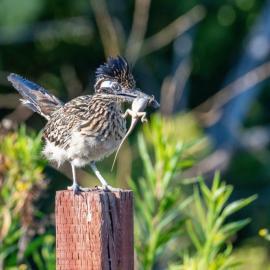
<point x="116" y="87"/>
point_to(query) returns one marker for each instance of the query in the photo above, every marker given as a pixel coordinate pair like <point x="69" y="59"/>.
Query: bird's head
<point x="114" y="74"/>
<point x="114" y="78"/>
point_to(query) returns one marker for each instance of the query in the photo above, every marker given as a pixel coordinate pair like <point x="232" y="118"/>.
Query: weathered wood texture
<point x="94" y="230"/>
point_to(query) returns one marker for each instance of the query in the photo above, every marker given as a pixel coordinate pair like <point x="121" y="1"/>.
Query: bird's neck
<point x="115" y="101"/>
<point x="109" y="98"/>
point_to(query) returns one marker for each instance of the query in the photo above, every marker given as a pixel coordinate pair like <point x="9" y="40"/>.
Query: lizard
<point x="136" y="112"/>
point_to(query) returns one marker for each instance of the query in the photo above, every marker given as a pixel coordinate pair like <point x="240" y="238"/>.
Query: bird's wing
<point x="34" y="96"/>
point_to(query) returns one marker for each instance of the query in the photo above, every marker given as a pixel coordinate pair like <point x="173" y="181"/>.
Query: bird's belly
<point x="80" y="148"/>
<point x="83" y="150"/>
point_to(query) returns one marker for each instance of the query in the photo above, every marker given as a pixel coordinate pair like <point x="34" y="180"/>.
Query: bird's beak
<point x="131" y="94"/>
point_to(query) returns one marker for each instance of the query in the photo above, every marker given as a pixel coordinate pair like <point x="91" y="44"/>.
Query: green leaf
<point x="149" y="170"/>
<point x="220" y="201"/>
<point x="233" y="227"/>
<point x="193" y="236"/>
<point x="170" y="217"/>
<point x="34" y="244"/>
<point x="216" y="181"/>
<point x="201" y="214"/>
<point x="206" y="192"/>
<point x="237" y="205"/>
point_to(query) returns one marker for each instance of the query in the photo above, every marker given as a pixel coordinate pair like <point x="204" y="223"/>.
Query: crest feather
<point x="118" y="69"/>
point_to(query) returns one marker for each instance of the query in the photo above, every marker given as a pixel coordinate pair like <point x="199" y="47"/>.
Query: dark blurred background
<point x="204" y="58"/>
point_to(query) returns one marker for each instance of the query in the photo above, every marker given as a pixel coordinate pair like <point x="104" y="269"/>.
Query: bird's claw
<point x="108" y="188"/>
<point x="76" y="189"/>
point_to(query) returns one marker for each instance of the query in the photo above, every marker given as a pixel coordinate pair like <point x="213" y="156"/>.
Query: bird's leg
<point x="100" y="177"/>
<point x="75" y="187"/>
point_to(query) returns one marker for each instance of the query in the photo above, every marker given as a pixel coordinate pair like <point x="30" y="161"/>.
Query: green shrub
<point x="174" y="222"/>
<point x="209" y="230"/>
<point x="21" y="183"/>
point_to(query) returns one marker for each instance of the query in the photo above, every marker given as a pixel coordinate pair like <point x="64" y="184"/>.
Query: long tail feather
<point x="34" y="96"/>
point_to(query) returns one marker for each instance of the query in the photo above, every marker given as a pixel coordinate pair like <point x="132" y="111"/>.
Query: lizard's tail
<point x="34" y="96"/>
<point x="116" y="154"/>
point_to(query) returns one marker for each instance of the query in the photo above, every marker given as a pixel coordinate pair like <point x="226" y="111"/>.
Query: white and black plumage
<point x="87" y="128"/>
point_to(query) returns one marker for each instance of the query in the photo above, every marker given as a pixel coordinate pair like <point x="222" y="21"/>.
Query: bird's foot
<point x="107" y="188"/>
<point x="76" y="188"/>
<point x="110" y="188"/>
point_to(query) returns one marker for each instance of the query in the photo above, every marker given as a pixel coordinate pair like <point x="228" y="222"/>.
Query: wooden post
<point x="94" y="230"/>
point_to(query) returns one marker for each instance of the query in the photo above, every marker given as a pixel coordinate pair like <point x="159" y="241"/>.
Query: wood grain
<point x="94" y="230"/>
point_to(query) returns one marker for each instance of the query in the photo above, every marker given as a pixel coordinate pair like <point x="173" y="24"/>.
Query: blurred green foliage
<point x="21" y="184"/>
<point x="159" y="201"/>
<point x="209" y="230"/>
<point x="25" y="12"/>
<point x="253" y="256"/>
<point x="166" y="210"/>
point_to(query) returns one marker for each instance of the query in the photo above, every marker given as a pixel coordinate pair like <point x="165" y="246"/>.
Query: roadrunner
<point x="87" y="128"/>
